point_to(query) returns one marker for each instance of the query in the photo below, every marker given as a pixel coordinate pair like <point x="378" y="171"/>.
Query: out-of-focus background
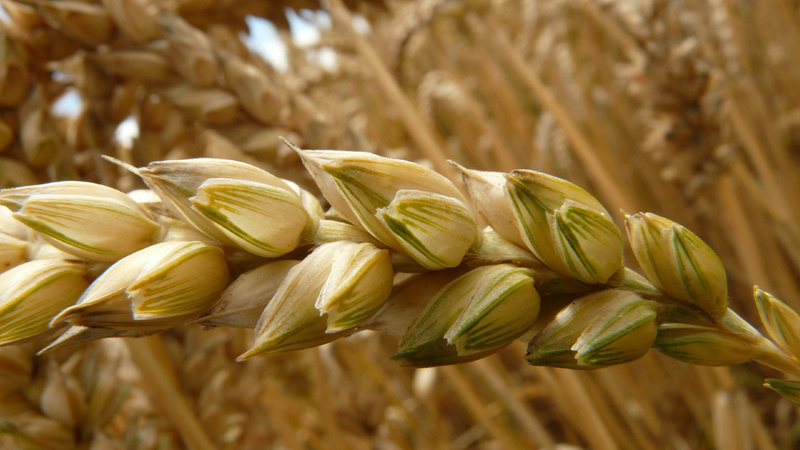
<point x="689" y="109"/>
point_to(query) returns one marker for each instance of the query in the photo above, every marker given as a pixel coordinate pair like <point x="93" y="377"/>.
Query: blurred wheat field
<point x="688" y="109"/>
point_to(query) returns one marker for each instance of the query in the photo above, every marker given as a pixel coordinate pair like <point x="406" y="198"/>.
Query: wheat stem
<point x="324" y="399"/>
<point x="579" y="405"/>
<point x="607" y="25"/>
<point x="476" y="406"/>
<point x="419" y="130"/>
<point x="602" y="173"/>
<point x="150" y="355"/>
<point x="533" y="427"/>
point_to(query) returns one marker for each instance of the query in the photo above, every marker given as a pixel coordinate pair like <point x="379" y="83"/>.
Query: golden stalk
<point x="427" y="141"/>
<point x="155" y="367"/>
<point x="600" y="169"/>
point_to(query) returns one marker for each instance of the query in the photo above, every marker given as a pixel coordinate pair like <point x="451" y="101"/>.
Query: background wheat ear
<point x="685" y="110"/>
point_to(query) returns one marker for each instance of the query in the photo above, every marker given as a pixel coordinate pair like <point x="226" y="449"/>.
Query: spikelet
<point x="678" y="262"/>
<point x="565" y="226"/>
<point x="257" y="93"/>
<point x="16" y="367"/>
<point x="409" y="299"/>
<point x="62" y="397"/>
<point x="190" y="51"/>
<point x="135" y="65"/>
<point x="472" y="316"/>
<point x="486" y="193"/>
<point x="339" y="286"/>
<point x="605" y="328"/>
<point x="781" y="322"/>
<point x="560" y="223"/>
<point x="38" y="138"/>
<point x="92" y="221"/>
<point x="212" y="106"/>
<point x="133" y="18"/>
<point x="404" y="205"/>
<point x="33" y="293"/>
<point x="23" y="17"/>
<point x="153" y="289"/>
<point x="242" y="303"/>
<point x="11" y="226"/>
<point x="12" y="251"/>
<point x="121" y="100"/>
<point x="35" y="431"/>
<point x="695" y="340"/>
<point x="15" y="77"/>
<point x="85" y="22"/>
<point x="13" y="173"/>
<point x="787" y="388"/>
<point x="6" y="135"/>
<point x="237" y="203"/>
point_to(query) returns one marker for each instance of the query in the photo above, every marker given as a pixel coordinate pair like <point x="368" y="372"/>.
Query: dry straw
<point x="686" y="109"/>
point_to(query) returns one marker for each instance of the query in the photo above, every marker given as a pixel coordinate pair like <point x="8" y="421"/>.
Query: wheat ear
<point x="400" y="250"/>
